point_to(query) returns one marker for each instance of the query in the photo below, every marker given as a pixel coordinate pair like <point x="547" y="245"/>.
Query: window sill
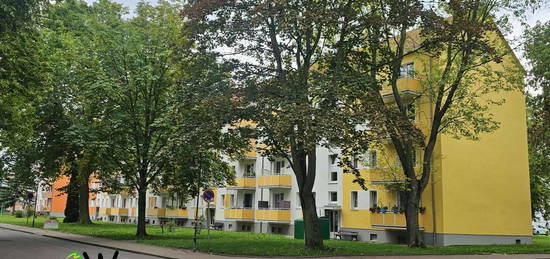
<point x="333" y="182"/>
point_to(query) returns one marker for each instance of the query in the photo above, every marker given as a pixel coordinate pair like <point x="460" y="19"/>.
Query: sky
<point x="514" y="38"/>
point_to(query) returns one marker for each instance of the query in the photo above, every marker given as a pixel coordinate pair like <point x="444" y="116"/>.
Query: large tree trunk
<point x="71" y="207"/>
<point x="415" y="238"/>
<point x="141" y="231"/>
<point x="304" y="169"/>
<point x="312" y="228"/>
<point x="83" y="196"/>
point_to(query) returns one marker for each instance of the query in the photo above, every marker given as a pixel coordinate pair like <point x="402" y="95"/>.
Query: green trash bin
<point x="299" y="228"/>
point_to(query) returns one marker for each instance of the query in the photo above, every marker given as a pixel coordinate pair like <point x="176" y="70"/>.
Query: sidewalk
<point x="163" y="252"/>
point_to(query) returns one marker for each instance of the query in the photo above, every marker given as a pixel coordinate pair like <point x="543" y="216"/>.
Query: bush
<point x="53" y="218"/>
<point x="170" y="226"/>
<point x="30" y="213"/>
<point x="18" y="214"/>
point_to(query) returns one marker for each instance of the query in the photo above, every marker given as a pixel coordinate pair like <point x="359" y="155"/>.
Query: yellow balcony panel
<point x="105" y="211"/>
<point x="244" y="183"/>
<point x="275" y="181"/>
<point x="156" y="212"/>
<point x="239" y="214"/>
<point x="133" y="212"/>
<point x="392" y="220"/>
<point x="177" y="213"/>
<point x="119" y="211"/>
<point x="408" y="87"/>
<point x="273" y="215"/>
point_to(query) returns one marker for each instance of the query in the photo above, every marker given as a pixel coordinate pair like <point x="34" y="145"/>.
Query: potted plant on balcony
<point x="384" y="209"/>
<point x="395" y="209"/>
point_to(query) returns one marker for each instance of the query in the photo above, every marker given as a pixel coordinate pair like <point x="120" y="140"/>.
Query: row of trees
<point x="127" y="101"/>
<point x="144" y="102"/>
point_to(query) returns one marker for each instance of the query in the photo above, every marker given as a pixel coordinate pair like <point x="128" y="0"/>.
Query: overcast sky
<point x="542" y="15"/>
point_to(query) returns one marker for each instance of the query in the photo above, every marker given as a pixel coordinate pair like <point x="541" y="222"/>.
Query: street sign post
<point x="208" y="196"/>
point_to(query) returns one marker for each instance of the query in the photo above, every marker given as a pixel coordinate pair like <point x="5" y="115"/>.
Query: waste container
<point x="299" y="228"/>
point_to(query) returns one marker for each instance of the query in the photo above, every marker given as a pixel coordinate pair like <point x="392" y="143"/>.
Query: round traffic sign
<point x="208" y="195"/>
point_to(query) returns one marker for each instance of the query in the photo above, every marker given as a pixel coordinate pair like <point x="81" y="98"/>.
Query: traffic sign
<point x="208" y="195"/>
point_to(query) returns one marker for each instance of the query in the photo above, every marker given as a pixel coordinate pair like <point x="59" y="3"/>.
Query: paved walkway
<point x="163" y="252"/>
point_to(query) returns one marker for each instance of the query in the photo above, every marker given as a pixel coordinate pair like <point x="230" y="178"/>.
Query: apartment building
<point x="478" y="194"/>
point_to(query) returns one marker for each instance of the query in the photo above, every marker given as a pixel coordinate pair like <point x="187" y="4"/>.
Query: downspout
<point x="434" y="232"/>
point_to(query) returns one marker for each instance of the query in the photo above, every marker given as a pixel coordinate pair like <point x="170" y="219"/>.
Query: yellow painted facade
<point x="479" y="187"/>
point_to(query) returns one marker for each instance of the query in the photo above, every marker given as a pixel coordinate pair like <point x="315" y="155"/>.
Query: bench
<point x="353" y="235"/>
<point x="217" y="226"/>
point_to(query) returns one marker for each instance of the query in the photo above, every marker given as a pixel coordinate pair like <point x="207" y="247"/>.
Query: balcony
<point x="284" y="181"/>
<point x="392" y="220"/>
<point x="105" y="211"/>
<point x="408" y="87"/>
<point x="239" y="214"/>
<point x="278" y="215"/>
<point x="176" y="213"/>
<point x="156" y="212"/>
<point x="133" y="212"/>
<point x="119" y="211"/>
<point x="385" y="177"/>
<point x="244" y="183"/>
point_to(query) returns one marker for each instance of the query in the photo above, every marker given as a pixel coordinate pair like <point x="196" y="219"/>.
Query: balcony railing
<point x="176" y="213"/>
<point x="392" y="220"/>
<point x="408" y="87"/>
<point x="119" y="211"/>
<point x="244" y="183"/>
<point x="105" y="211"/>
<point x="156" y="212"/>
<point x="236" y="213"/>
<point x="281" y="215"/>
<point x="275" y="181"/>
<point x="379" y="176"/>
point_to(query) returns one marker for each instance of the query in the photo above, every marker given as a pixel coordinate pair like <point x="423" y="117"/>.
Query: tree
<point x="463" y="49"/>
<point x="152" y="95"/>
<point x="538" y="55"/>
<point x="283" y="50"/>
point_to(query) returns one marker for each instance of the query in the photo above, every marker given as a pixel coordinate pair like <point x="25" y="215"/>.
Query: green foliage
<point x="19" y="214"/>
<point x="538" y="117"/>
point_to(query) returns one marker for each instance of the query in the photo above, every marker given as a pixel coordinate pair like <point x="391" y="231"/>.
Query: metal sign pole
<point x="208" y="215"/>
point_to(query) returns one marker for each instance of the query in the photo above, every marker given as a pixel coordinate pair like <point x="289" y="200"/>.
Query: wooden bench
<point x="353" y="235"/>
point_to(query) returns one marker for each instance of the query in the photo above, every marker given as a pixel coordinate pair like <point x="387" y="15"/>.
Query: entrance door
<point x="333" y="221"/>
<point x="247" y="203"/>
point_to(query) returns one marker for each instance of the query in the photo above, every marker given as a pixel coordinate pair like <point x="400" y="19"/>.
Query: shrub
<point x="170" y="226"/>
<point x="18" y="214"/>
<point x="53" y="218"/>
<point x="29" y="213"/>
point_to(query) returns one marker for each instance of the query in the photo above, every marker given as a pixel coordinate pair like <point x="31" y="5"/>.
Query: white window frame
<point x="354" y="201"/>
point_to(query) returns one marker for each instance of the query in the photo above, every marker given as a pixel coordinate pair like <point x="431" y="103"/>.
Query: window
<point x="249" y="170"/>
<point x="222" y="202"/>
<point x="333" y="176"/>
<point x="232" y="200"/>
<point x="124" y="203"/>
<point x="355" y="162"/>
<point x="407" y="70"/>
<point x="112" y="203"/>
<point x="373" y="199"/>
<point x="373" y="237"/>
<point x="354" y="200"/>
<point x="333" y="196"/>
<point x="373" y="159"/>
<point x="332" y="159"/>
<point x="279" y="165"/>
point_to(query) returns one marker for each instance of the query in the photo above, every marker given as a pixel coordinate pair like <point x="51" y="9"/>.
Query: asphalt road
<point x="19" y="245"/>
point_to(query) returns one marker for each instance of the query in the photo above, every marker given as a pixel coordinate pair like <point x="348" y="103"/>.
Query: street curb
<point x="90" y="243"/>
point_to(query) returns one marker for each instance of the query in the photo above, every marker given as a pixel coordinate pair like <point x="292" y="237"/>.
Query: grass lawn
<point x="240" y="243"/>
